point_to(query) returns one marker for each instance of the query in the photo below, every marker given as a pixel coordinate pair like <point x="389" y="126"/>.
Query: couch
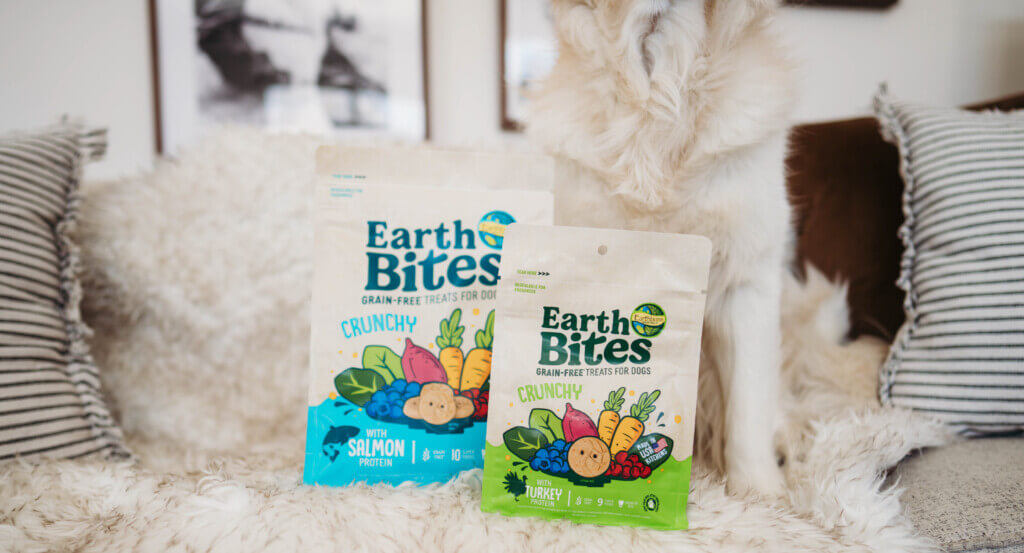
<point x="197" y="289"/>
<point x="846" y="189"/>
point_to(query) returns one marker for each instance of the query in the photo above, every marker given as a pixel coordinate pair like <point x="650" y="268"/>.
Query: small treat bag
<point x="594" y="387"/>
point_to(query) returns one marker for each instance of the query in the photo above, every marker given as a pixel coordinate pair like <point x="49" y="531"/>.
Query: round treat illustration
<point x="589" y="457"/>
<point x="492" y="228"/>
<point x="437" y="404"/>
<point x="648" y="320"/>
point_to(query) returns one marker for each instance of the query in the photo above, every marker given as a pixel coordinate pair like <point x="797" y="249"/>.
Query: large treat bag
<point x="403" y="307"/>
<point x="594" y="387"/>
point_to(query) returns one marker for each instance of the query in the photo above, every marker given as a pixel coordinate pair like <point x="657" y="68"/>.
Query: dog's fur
<point x="674" y="116"/>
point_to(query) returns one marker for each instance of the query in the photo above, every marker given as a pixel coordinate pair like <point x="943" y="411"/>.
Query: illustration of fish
<point x="336" y="437"/>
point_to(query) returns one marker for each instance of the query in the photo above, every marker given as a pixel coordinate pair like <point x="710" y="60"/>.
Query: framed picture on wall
<point x="528" y="51"/>
<point x="843" y="3"/>
<point x="329" y="67"/>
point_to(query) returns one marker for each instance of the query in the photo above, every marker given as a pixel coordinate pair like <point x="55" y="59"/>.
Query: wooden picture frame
<point x="507" y="124"/>
<point x="356" y="72"/>
<point x="527" y="49"/>
<point x="870" y="4"/>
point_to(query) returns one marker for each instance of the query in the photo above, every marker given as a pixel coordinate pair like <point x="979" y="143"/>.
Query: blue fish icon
<point x="336" y="437"/>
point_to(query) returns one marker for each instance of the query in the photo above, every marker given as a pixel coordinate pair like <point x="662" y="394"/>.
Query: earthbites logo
<point x="492" y="228"/>
<point x="596" y="338"/>
<point x="648" y="320"/>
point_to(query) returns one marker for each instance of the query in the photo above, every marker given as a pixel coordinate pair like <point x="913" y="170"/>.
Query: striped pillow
<point x="960" y="354"/>
<point x="50" y="399"/>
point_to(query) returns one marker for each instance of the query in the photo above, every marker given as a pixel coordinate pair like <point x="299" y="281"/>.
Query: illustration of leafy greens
<point x="644" y="406"/>
<point x="381" y="367"/>
<point x="358" y="385"/>
<point x="523" y="442"/>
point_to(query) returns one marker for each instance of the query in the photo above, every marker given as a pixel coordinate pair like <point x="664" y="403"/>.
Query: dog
<point x="672" y="116"/>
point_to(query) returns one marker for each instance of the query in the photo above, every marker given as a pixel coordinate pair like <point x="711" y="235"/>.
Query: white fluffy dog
<point x="674" y="117"/>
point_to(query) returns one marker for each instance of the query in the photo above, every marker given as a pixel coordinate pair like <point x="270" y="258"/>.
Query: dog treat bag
<point x="403" y="327"/>
<point x="594" y="387"/>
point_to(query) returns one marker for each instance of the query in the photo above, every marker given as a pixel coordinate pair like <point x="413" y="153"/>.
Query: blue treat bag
<point x="403" y="308"/>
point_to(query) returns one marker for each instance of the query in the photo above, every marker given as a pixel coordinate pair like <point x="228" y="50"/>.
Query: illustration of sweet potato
<point x="576" y="424"/>
<point x="419" y="365"/>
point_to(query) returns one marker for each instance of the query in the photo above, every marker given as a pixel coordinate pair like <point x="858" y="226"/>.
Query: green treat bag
<point x="594" y="382"/>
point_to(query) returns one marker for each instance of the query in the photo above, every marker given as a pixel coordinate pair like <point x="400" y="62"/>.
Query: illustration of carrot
<point x="632" y="427"/>
<point x="450" y="342"/>
<point x="478" y="361"/>
<point x="609" y="418"/>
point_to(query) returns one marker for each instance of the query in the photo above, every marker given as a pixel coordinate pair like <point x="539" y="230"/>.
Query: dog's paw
<point x="765" y="479"/>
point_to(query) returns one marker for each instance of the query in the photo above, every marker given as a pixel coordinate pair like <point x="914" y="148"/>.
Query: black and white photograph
<point x="528" y="51"/>
<point x="320" y="66"/>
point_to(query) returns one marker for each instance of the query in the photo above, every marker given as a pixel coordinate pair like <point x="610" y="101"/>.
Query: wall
<point x="463" y="64"/>
<point x="95" y="63"/>
<point x="84" y="58"/>
<point x="944" y="52"/>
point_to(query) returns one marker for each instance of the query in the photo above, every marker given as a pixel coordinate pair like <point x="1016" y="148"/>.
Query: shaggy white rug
<point x="198" y="292"/>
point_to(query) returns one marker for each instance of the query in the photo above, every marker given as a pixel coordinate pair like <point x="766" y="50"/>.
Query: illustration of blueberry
<point x="379" y="396"/>
<point x="398" y="385"/>
<point x="396" y="412"/>
<point x="544" y="464"/>
<point x="559" y="444"/>
<point x="413" y="388"/>
<point x="542" y="454"/>
<point x="535" y="463"/>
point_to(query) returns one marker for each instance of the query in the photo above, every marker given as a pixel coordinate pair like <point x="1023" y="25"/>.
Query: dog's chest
<point x="746" y="217"/>
<point x="731" y="216"/>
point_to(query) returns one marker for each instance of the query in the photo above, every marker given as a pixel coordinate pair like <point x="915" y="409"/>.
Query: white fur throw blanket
<point x="198" y="289"/>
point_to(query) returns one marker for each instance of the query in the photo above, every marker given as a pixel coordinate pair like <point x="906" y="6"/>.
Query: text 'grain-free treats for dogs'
<point x="403" y="309"/>
<point x="595" y="375"/>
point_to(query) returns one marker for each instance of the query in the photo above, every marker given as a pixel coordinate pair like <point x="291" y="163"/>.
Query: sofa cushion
<point x="845" y="186"/>
<point x="51" y="404"/>
<point x="960" y="354"/>
<point x="968" y="496"/>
